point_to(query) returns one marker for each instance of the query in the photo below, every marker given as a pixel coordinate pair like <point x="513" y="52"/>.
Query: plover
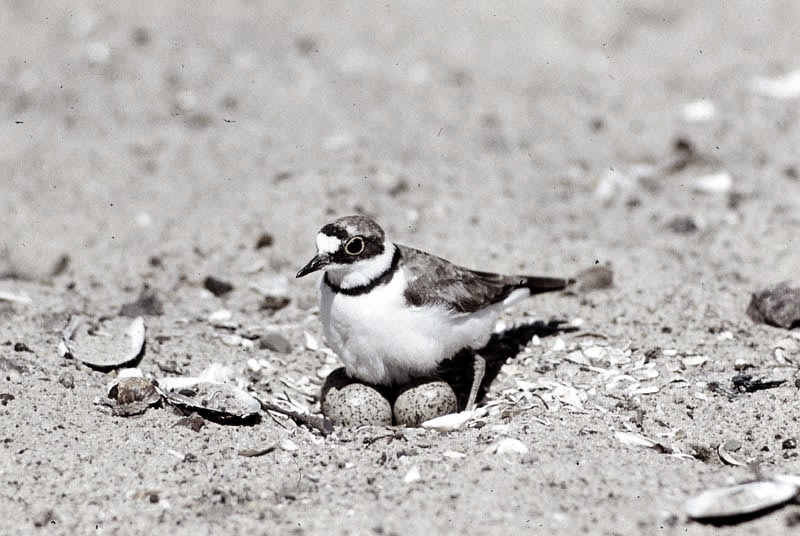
<point x="392" y="313"/>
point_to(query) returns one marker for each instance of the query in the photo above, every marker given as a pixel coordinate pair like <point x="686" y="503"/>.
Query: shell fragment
<point x="216" y="401"/>
<point x="102" y="348"/>
<point x="741" y="500"/>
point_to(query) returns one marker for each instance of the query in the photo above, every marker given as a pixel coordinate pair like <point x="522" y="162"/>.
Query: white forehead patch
<point x="327" y="244"/>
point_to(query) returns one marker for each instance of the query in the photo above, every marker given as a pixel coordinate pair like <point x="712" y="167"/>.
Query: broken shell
<point x="740" y="500"/>
<point x="216" y="401"/>
<point x="638" y="440"/>
<point x="412" y="475"/>
<point x="288" y="445"/>
<point x="130" y="386"/>
<point x="424" y="401"/>
<point x="782" y="87"/>
<point x="715" y="183"/>
<point x="698" y="111"/>
<point x="507" y="445"/>
<point x="450" y="422"/>
<point x="311" y="342"/>
<point x="694" y="360"/>
<point x="14" y="297"/>
<point x="725" y="454"/>
<point x="103" y="349"/>
<point x="787" y="351"/>
<point x="356" y="404"/>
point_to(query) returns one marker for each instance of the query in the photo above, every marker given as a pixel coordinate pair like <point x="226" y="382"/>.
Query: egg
<point x="349" y="403"/>
<point x="424" y="401"/>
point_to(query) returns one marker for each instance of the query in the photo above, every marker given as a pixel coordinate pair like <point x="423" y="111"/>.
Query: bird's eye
<point x="354" y="246"/>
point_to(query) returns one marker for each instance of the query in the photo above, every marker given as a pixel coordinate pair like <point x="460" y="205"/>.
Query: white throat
<point x="362" y="272"/>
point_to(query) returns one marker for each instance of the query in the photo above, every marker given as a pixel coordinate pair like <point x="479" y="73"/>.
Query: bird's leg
<point x="479" y="371"/>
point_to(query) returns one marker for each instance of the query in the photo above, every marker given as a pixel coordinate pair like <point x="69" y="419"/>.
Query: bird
<point x="393" y="313"/>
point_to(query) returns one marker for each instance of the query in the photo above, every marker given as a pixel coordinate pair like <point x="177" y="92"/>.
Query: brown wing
<point x="437" y="281"/>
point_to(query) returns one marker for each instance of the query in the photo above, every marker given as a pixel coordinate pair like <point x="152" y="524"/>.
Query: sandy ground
<point x="152" y="145"/>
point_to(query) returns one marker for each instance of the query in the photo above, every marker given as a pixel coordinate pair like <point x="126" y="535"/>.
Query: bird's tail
<point x="538" y="285"/>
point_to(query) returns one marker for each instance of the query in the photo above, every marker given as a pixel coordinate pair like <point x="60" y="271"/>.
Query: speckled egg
<point x="349" y="403"/>
<point x="424" y="401"/>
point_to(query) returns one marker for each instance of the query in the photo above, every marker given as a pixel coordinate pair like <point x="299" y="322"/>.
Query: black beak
<point x="317" y="263"/>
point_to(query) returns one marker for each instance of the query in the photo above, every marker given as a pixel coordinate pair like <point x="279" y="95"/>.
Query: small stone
<point x="67" y="380"/>
<point x="424" y="401"/>
<point x="265" y="240"/>
<point x="44" y="518"/>
<point x="21" y="347"/>
<point x="348" y="403"/>
<point x="777" y="306"/>
<point x="595" y="278"/>
<point x="789" y="443"/>
<point x="682" y="225"/>
<point x="274" y="303"/>
<point x="275" y="342"/>
<point x="192" y="422"/>
<point x="217" y="286"/>
<point x="147" y="304"/>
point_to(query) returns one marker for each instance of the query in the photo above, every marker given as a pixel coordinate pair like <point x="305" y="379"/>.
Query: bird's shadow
<point x="458" y="371"/>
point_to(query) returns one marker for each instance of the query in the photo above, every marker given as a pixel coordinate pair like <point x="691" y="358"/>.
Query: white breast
<point x="382" y="340"/>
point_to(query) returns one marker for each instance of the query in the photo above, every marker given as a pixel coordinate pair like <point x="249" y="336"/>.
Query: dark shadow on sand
<point x="458" y="371"/>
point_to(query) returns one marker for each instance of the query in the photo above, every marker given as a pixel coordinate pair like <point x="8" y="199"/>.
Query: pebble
<point x="217" y="286"/>
<point x="424" y="401"/>
<point x="67" y="380"/>
<point x="594" y="278"/>
<point x="777" y="306"/>
<point x="275" y="342"/>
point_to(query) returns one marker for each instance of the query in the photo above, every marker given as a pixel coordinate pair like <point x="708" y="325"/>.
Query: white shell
<point x="16" y="298"/>
<point x="215" y="399"/>
<point x="412" y="475"/>
<point x="715" y="183"/>
<point x="448" y="423"/>
<point x="784" y="87"/>
<point x="638" y="440"/>
<point x="104" y="349"/>
<point x="740" y="499"/>
<point x="507" y="445"/>
<point x="727" y="456"/>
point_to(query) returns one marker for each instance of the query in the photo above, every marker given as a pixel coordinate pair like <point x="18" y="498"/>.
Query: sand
<point x="152" y="145"/>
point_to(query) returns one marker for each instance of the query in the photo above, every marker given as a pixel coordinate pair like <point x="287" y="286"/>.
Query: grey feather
<point x="434" y="280"/>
